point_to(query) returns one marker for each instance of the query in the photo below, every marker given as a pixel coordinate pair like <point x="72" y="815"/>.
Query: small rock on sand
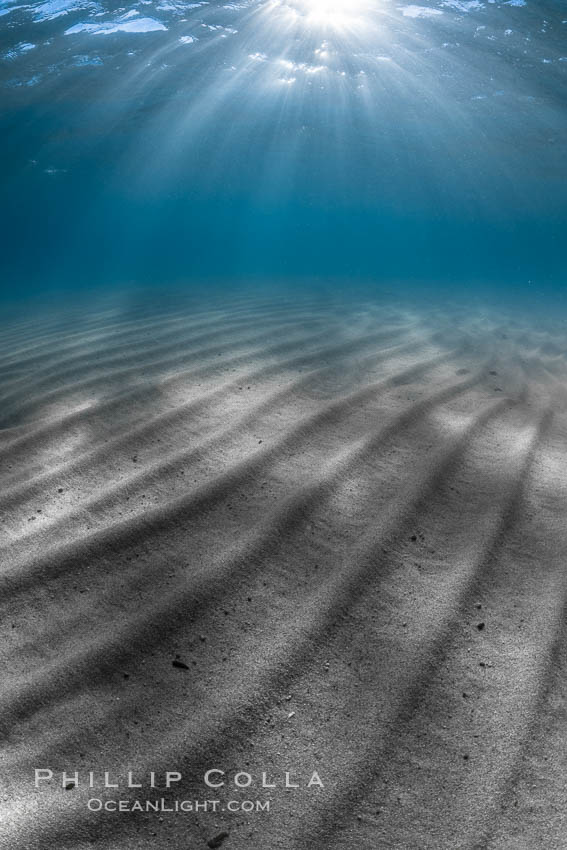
<point x="217" y="840"/>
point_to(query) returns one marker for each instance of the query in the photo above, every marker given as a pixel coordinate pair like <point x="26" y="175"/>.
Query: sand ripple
<point x="345" y="521"/>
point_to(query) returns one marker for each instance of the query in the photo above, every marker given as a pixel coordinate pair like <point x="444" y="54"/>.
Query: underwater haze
<point x="343" y="143"/>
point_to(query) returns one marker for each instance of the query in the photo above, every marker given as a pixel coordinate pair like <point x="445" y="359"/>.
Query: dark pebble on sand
<point x="179" y="664"/>
<point x="217" y="840"/>
<point x="413" y="538"/>
<point x="60" y="489"/>
<point x="493" y="373"/>
<point x="69" y="786"/>
<point x="480" y="626"/>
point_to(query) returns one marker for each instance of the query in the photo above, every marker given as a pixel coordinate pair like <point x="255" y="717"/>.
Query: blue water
<point x="409" y="147"/>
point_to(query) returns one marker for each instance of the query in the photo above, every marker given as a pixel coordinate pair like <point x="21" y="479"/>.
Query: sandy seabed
<point x="279" y="537"/>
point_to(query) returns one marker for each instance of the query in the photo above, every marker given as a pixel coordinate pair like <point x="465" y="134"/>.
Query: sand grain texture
<point x="285" y="534"/>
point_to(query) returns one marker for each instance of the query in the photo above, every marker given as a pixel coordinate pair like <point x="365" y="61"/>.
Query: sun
<point x="333" y="13"/>
<point x="330" y="14"/>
